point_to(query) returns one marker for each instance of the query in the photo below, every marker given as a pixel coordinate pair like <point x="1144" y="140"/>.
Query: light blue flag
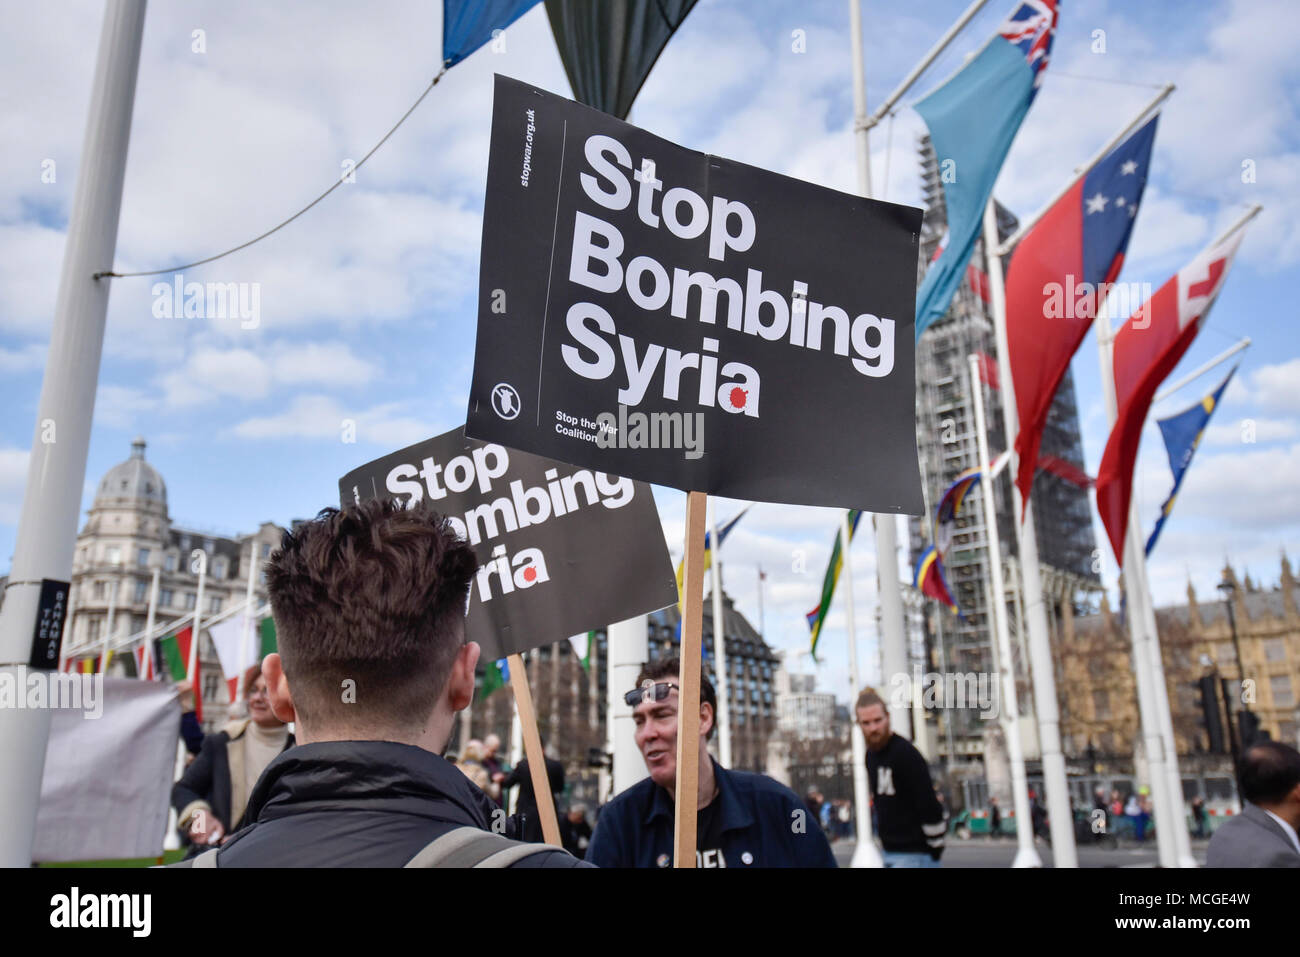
<point x="973" y="117"/>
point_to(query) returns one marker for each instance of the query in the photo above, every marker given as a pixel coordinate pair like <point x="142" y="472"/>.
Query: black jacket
<point x="530" y="821"/>
<point x="911" y="818"/>
<point x="208" y="779"/>
<point x="359" y="804"/>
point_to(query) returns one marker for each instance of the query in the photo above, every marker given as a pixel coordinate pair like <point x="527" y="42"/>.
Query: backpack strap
<point x="471" y="847"/>
<point x="206" y="859"/>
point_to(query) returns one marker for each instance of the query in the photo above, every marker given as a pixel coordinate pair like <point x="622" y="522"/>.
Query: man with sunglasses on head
<point x="745" y="820"/>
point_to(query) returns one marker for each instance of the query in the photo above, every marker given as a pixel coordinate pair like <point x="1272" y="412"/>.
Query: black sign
<point x="47" y="639"/>
<point x="691" y="321"/>
<point x="562" y="550"/>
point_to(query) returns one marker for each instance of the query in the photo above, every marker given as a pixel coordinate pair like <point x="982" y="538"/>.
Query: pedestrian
<point x="1136" y="813"/>
<point x="829" y="824"/>
<point x="575" y="832"/>
<point x="471" y="764"/>
<point x="911" y="819"/>
<point x="1037" y="815"/>
<point x="995" y="818"/>
<point x="813" y="800"/>
<point x="1116" y="804"/>
<point x="371" y="598"/>
<point x="744" y="819"/>
<point x="530" y="819"/>
<point x="212" y="795"/>
<point x="1264" y="834"/>
<point x="1199" y="816"/>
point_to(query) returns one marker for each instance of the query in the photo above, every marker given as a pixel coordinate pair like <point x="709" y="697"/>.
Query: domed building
<point x="128" y="536"/>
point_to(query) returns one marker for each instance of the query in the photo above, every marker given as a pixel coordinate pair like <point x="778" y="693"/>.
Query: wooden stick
<point x="533" y="749"/>
<point x="688" y="698"/>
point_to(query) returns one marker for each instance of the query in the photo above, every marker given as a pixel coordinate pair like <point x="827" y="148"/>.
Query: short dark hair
<point x="1270" y="770"/>
<point x="660" y="668"/>
<point x="374" y="593"/>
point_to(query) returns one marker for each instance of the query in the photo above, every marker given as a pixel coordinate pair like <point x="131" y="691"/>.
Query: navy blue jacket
<point x="764" y="824"/>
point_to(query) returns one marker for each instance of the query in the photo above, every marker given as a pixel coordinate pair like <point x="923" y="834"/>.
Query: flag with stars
<point x="1182" y="434"/>
<point x="1059" y="275"/>
<point x="1145" y="351"/>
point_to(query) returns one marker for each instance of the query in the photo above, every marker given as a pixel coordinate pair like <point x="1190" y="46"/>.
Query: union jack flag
<point x="1030" y="28"/>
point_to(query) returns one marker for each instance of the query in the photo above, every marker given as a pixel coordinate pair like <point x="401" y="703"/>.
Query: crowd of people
<point x="362" y="780"/>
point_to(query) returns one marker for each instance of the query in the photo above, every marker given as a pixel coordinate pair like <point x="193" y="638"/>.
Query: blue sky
<point x="367" y="303"/>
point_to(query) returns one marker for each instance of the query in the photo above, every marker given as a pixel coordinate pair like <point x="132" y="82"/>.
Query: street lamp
<point x="1228" y="589"/>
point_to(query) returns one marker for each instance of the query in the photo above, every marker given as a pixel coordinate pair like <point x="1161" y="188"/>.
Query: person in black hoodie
<point x="369" y="605"/>
<point x="912" y="819"/>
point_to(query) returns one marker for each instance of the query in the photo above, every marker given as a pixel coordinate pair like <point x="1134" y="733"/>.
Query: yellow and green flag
<point x="817" y="617"/>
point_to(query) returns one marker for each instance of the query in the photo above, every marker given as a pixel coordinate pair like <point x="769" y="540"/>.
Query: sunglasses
<point x="656" y="692"/>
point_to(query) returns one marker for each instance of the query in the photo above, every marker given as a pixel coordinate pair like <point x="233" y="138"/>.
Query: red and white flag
<point x="1145" y="351"/>
<point x="144" y="660"/>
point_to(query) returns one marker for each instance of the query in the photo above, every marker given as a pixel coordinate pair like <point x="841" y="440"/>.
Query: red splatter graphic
<point x="530" y="574"/>
<point x="738" y="396"/>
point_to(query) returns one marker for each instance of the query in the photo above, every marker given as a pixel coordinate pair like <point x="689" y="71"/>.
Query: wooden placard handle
<point x="533" y="749"/>
<point x="688" y="707"/>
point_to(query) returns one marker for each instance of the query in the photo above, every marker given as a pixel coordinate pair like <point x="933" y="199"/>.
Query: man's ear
<point x="706" y="720"/>
<point x="277" y="689"/>
<point x="460" y="684"/>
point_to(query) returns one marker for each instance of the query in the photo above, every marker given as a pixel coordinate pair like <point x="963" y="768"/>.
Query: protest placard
<point x="563" y="550"/>
<point x="691" y="321"/>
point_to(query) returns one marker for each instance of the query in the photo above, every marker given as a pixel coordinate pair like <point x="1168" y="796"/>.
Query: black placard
<point x="47" y="638"/>
<point x="563" y="550"/>
<point x="696" y="322"/>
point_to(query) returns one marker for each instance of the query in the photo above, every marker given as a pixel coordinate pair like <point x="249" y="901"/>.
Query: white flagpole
<point x="247" y="643"/>
<point x="199" y="564"/>
<point x="921" y="66"/>
<point x="1060" y="815"/>
<point x="151" y="614"/>
<point x="865" y="853"/>
<point x="109" y="625"/>
<point x="1191" y="377"/>
<point x="47" y="526"/>
<point x="720" y="643"/>
<point x="1142" y="640"/>
<point x="893" y="641"/>
<point x="1027" y="224"/>
<point x="1026" y="855"/>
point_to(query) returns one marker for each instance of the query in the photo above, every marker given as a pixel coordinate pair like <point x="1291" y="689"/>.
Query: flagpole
<point x="893" y="643"/>
<point x="1026" y="855"/>
<point x="865" y="853"/>
<point x="108" y="630"/>
<point x="200" y="557"/>
<point x="1191" y="377"/>
<point x="247" y="641"/>
<point x="1141" y="639"/>
<point x="1027" y="224"/>
<point x="920" y="67"/>
<point x="720" y="644"/>
<point x="1060" y="815"/>
<point x="152" y="613"/>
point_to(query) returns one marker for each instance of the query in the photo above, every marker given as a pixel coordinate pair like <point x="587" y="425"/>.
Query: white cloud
<point x="323" y="417"/>
<point x="13" y="477"/>
<point x="212" y="374"/>
<point x="1277" y="387"/>
<point x="327" y="363"/>
<point x="123" y="407"/>
<point x="1243" y="431"/>
<point x="30" y="356"/>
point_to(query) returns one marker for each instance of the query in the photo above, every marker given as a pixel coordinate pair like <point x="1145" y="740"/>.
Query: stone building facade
<point x="1099" y="714"/>
<point x="127" y="536"/>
